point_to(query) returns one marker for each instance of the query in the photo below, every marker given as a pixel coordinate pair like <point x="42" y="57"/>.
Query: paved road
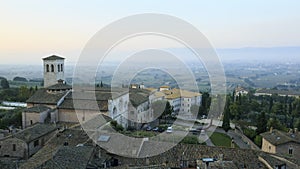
<point x="208" y="141"/>
<point x="237" y="139"/>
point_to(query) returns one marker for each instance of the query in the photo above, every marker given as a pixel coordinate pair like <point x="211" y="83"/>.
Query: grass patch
<point x="220" y="139"/>
<point x="140" y="134"/>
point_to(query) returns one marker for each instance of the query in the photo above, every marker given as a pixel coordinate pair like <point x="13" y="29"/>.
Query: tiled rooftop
<point x="34" y="132"/>
<point x="43" y="97"/>
<point x="277" y="137"/>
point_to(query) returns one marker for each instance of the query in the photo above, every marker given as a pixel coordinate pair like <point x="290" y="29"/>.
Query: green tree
<point x="226" y="117"/>
<point x="275" y="123"/>
<point x="270" y="104"/>
<point x="24" y="93"/>
<point x="161" y="109"/>
<point x="235" y="111"/>
<point x="205" y="104"/>
<point x="261" y="123"/>
<point x="258" y="140"/>
<point x="195" y="110"/>
<point x="4" y="84"/>
<point x="158" y="108"/>
<point x="295" y="110"/>
<point x="190" y="140"/>
<point x="298" y="125"/>
<point x="168" y="110"/>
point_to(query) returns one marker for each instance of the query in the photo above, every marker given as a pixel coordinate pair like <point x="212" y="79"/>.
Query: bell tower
<point x="53" y="70"/>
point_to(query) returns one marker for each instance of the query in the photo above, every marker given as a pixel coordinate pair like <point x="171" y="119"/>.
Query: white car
<point x="169" y="130"/>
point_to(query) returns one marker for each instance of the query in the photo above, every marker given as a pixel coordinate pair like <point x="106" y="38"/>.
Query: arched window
<point x="58" y="68"/>
<point x="61" y="67"/>
<point x="47" y="68"/>
<point x="52" y="68"/>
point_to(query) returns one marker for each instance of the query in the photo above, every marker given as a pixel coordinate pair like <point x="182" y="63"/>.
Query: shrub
<point x="258" y="140"/>
<point x="190" y="140"/>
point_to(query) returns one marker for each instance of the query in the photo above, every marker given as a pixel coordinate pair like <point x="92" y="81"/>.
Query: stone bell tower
<point x="53" y="70"/>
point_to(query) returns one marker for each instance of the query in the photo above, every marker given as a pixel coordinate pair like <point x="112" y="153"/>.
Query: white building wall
<point x="176" y="104"/>
<point x="118" y="109"/>
<point x="51" y="78"/>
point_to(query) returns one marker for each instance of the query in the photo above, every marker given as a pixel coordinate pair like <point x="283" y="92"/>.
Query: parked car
<point x="149" y="128"/>
<point x="194" y="131"/>
<point x="169" y="130"/>
<point x="158" y="129"/>
<point x="155" y="129"/>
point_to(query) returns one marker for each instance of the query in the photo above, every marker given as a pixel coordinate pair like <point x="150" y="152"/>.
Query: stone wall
<point x="30" y="118"/>
<point x="13" y="147"/>
<point x="284" y="149"/>
<point x="40" y="142"/>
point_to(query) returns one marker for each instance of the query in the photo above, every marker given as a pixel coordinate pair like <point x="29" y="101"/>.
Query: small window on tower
<point x="47" y="68"/>
<point x="58" y="68"/>
<point x="52" y="68"/>
<point x="61" y="67"/>
<point x="290" y="151"/>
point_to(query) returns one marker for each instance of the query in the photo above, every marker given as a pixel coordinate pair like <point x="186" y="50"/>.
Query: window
<point x="36" y="143"/>
<point x="31" y="122"/>
<point x="290" y="151"/>
<point x="52" y="68"/>
<point x="58" y="68"/>
<point x="61" y="67"/>
<point x="14" y="147"/>
<point x="47" y="68"/>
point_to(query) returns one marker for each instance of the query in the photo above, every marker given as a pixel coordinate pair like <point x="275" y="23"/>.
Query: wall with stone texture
<point x="284" y="149"/>
<point x="41" y="142"/>
<point x="6" y="148"/>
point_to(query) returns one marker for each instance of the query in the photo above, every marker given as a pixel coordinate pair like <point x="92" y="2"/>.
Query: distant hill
<point x="274" y="54"/>
<point x="20" y="79"/>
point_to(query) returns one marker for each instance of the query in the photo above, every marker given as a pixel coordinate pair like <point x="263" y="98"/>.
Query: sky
<point x="32" y="29"/>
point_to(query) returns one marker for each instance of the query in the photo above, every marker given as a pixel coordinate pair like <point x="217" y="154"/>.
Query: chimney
<point x="271" y="129"/>
<point x="60" y="81"/>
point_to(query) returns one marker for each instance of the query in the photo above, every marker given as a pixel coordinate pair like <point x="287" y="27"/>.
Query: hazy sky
<point x="32" y="29"/>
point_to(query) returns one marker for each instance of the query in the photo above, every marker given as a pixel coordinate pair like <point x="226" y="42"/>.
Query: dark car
<point x="194" y="131"/>
<point x="158" y="129"/>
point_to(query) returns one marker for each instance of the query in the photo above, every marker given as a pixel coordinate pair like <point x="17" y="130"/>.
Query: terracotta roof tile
<point x="279" y="137"/>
